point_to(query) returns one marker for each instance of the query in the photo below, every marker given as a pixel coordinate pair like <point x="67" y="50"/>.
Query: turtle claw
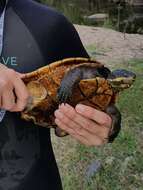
<point x="64" y="94"/>
<point x="59" y="132"/>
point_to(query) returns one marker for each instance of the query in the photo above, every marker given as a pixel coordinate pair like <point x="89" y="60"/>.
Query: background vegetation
<point x="123" y="15"/>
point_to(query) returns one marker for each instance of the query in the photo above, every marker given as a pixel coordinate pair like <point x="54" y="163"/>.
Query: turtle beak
<point x="121" y="83"/>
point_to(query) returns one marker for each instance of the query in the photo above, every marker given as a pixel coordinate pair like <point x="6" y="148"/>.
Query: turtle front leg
<point x="116" y="121"/>
<point x="68" y="83"/>
<point x="72" y="78"/>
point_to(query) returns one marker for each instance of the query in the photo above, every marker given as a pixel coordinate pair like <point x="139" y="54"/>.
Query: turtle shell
<point x="43" y="85"/>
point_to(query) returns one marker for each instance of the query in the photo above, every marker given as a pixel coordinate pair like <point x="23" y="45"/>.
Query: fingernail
<point x="80" y="108"/>
<point x="58" y="114"/>
<point x="67" y="105"/>
<point x="64" y="107"/>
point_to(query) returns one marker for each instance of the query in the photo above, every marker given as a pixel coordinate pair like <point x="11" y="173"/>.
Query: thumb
<point x="21" y="75"/>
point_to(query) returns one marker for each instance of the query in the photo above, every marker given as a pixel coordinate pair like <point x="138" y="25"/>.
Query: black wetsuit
<point x="34" y="35"/>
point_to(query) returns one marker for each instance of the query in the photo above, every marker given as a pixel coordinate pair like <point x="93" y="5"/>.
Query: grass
<point x="72" y="12"/>
<point x="93" y="51"/>
<point x="122" y="161"/>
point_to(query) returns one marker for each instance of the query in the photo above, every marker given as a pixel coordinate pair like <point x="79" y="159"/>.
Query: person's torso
<point x="24" y="147"/>
<point x="34" y="36"/>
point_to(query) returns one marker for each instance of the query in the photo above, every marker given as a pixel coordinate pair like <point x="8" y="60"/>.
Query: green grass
<point x="93" y="51"/>
<point x="122" y="161"/>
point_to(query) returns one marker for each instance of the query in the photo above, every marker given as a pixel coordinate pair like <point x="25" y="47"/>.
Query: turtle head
<point x="121" y="79"/>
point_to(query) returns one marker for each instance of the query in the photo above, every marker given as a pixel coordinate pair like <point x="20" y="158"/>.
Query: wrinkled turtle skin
<point x="73" y="80"/>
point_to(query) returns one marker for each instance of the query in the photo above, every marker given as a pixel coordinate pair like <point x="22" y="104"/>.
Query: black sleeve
<point x="55" y="36"/>
<point x="69" y="43"/>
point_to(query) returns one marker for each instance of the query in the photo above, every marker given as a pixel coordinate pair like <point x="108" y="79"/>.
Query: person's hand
<point x="13" y="92"/>
<point x="86" y="124"/>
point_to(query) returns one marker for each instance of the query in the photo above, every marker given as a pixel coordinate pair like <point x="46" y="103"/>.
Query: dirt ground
<point x="111" y="46"/>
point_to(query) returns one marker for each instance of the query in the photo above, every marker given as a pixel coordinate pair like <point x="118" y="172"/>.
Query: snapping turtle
<point x="74" y="80"/>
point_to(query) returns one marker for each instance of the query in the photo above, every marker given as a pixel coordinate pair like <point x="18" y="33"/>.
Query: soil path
<point x="111" y="46"/>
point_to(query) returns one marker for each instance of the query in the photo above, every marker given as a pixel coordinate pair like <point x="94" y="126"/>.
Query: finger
<point x="76" y="130"/>
<point x="70" y="112"/>
<point x="66" y="120"/>
<point x="72" y="132"/>
<point x="81" y="139"/>
<point x="21" y="94"/>
<point x="2" y="66"/>
<point x="8" y="100"/>
<point x="0" y="101"/>
<point x="89" y="140"/>
<point x="21" y="75"/>
<point x="96" y="115"/>
<point x="86" y="123"/>
<point x="68" y="124"/>
<point x="64" y="127"/>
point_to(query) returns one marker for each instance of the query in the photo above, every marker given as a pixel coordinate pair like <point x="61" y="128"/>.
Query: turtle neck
<point x="2" y="5"/>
